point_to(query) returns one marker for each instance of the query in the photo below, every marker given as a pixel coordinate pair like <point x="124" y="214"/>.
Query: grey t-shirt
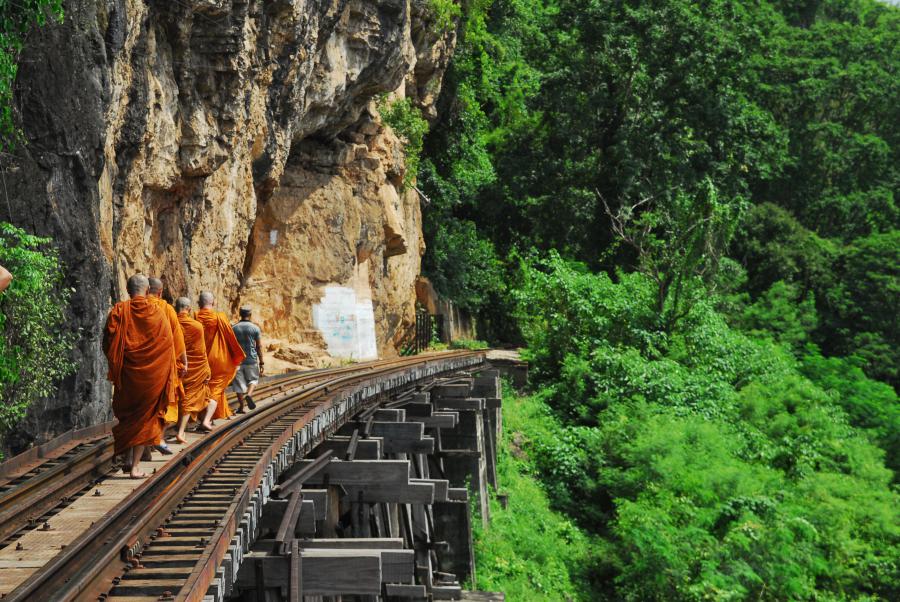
<point x="247" y="334"/>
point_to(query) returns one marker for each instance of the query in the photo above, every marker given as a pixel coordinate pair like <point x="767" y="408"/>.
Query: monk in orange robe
<point x="196" y="399"/>
<point x="138" y="344"/>
<point x="222" y="349"/>
<point x="154" y="295"/>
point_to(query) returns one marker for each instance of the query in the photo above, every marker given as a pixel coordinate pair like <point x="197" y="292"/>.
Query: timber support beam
<point x="381" y="508"/>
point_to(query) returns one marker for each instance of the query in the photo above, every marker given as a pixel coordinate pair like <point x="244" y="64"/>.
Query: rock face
<point x="226" y="145"/>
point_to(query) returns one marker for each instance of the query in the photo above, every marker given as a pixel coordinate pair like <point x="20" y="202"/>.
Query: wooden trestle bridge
<point x="354" y="483"/>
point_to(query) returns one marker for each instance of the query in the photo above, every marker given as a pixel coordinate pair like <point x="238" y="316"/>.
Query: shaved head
<point x="182" y="304"/>
<point x="207" y="299"/>
<point x="137" y="285"/>
<point x="155" y="286"/>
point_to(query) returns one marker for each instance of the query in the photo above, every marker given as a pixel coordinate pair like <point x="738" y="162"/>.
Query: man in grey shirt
<point x="248" y="335"/>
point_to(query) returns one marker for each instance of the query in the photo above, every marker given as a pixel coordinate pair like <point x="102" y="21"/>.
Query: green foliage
<point x="776" y="247"/>
<point x="464" y="262"/>
<point x="669" y="121"/>
<point x="703" y="424"/>
<point x="869" y="404"/>
<point x="408" y="124"/>
<point x="867" y="302"/>
<point x="781" y="313"/>
<point x="832" y="86"/>
<point x="678" y="242"/>
<point x="35" y="348"/>
<point x="528" y="551"/>
<point x="486" y="90"/>
<point x="712" y="463"/>
<point x="471" y="344"/>
<point x="17" y="17"/>
<point x="446" y="13"/>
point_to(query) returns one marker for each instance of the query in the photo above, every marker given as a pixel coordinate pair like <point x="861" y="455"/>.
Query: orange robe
<point x="196" y="389"/>
<point x="224" y="354"/>
<point x="178" y="339"/>
<point x="138" y="343"/>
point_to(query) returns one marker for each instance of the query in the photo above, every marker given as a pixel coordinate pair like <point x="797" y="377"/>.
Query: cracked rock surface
<point x="224" y="145"/>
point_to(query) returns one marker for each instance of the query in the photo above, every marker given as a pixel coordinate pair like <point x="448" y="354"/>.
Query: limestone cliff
<point x="232" y="146"/>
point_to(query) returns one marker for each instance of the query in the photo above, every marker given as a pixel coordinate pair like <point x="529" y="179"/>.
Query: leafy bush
<point x="869" y="404"/>
<point x="528" y="551"/>
<point x="709" y="463"/>
<point x="446" y="13"/>
<point x="408" y="124"/>
<point x="464" y="262"/>
<point x="468" y="344"/>
<point x="34" y="350"/>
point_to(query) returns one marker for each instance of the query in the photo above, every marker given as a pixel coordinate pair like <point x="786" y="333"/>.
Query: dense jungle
<point x="685" y="214"/>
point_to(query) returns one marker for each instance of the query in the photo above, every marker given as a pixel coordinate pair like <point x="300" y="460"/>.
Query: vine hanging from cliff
<point x="408" y="124"/>
<point x="17" y="17"/>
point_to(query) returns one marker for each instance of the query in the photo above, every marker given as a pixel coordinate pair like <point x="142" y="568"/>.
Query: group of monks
<point x="167" y="365"/>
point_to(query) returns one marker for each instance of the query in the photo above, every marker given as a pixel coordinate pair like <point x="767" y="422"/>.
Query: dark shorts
<point x="247" y="374"/>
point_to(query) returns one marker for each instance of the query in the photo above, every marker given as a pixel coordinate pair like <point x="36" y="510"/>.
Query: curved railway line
<point x="167" y="540"/>
<point x="76" y="461"/>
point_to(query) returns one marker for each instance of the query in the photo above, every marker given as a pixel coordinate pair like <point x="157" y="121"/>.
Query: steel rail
<point x="85" y="568"/>
<point x="27" y="502"/>
<point x="58" y="480"/>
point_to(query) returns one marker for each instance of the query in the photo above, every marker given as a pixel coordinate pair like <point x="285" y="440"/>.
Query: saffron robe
<point x="196" y="389"/>
<point x="178" y="344"/>
<point x="138" y="344"/>
<point x="224" y="354"/>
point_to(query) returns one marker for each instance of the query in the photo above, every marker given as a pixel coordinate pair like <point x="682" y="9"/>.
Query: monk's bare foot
<point x="181" y="439"/>
<point x="138" y="474"/>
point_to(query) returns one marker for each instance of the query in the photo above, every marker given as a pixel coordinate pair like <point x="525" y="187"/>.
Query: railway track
<point x="42" y="486"/>
<point x="167" y="539"/>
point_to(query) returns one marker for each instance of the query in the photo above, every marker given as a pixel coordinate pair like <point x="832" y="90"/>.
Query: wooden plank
<point x="486" y="386"/>
<point x="362" y="473"/>
<point x="425" y="445"/>
<point x="415" y="410"/>
<point x="352" y="543"/>
<point x="454" y="390"/>
<point x="274" y="509"/>
<point x="441" y="420"/>
<point x="306" y="521"/>
<point x="412" y="493"/>
<point x="404" y="590"/>
<point x="334" y="572"/>
<point x="441" y="487"/>
<point x="389" y="431"/>
<point x="289" y="519"/>
<point x="397" y="565"/>
<point x="366" y="449"/>
<point x="397" y="437"/>
<point x="330" y="572"/>
<point x="390" y="415"/>
<point x="446" y="592"/>
<point x="467" y="403"/>
<point x="295" y="581"/>
<point x="460" y="453"/>
<point x="457" y="494"/>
